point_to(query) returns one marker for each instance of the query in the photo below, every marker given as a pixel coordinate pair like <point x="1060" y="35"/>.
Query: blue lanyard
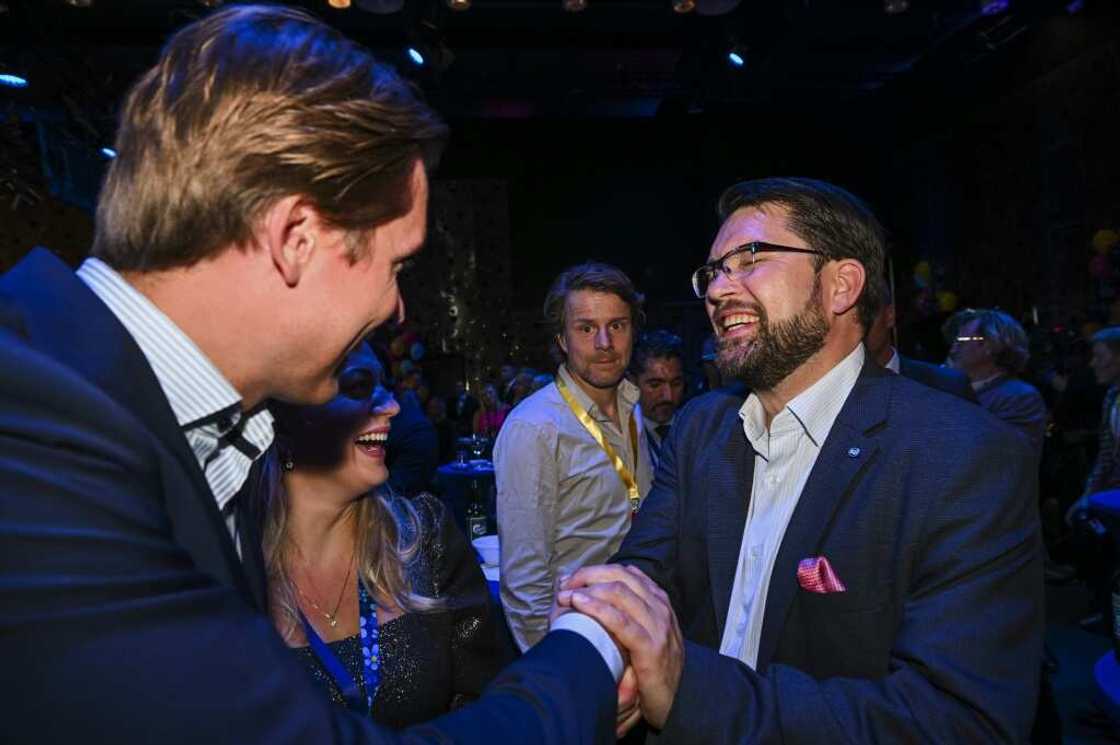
<point x="369" y="636"/>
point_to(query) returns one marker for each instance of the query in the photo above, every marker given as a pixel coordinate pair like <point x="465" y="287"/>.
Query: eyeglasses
<point x="737" y="262"/>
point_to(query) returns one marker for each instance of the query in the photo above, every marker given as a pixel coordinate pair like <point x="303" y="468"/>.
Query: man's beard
<point x="778" y="349"/>
<point x="598" y="378"/>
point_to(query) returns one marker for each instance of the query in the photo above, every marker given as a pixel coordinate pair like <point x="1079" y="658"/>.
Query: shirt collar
<point x="195" y="389"/>
<point x="894" y="364"/>
<point x="628" y="395"/>
<point x="813" y="411"/>
<point x="978" y="384"/>
<point x="652" y="425"/>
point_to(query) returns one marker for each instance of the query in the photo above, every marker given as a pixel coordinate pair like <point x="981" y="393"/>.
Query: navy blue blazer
<point x="935" y="376"/>
<point x="1018" y="403"/>
<point x="127" y="615"/>
<point x="924" y="506"/>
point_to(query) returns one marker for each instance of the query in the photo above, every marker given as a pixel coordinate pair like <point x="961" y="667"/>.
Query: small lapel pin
<point x="853" y="452"/>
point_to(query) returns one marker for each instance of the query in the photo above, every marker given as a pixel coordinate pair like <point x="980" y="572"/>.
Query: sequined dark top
<point x="431" y="662"/>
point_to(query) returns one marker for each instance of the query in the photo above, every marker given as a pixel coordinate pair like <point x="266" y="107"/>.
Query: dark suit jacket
<point x="935" y="376"/>
<point x="127" y="616"/>
<point x="1018" y="403"/>
<point x="924" y="506"/>
<point x="413" y="448"/>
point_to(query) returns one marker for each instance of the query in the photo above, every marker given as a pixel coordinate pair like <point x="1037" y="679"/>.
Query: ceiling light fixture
<point x="79" y="3"/>
<point x="339" y="4"/>
<point x="8" y="80"/>
<point x="459" y="4"/>
<point x="416" y="57"/>
<point x="684" y="6"/>
<point x="895" y="7"/>
<point x="737" y="56"/>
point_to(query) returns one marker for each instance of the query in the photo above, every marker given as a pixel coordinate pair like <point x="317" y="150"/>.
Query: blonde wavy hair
<point x="389" y="536"/>
<point x="246" y="106"/>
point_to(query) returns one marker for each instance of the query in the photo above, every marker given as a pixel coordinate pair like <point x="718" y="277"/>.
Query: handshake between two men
<point x="640" y="619"/>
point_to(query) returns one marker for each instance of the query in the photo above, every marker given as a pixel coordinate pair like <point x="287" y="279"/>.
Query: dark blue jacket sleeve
<point x="110" y="633"/>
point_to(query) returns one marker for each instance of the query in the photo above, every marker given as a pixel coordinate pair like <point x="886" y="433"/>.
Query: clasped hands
<point x="638" y="616"/>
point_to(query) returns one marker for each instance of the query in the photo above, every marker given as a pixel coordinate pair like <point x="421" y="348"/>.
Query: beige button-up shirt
<point x="561" y="504"/>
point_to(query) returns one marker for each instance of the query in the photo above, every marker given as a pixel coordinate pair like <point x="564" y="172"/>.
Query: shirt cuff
<point x="589" y="629"/>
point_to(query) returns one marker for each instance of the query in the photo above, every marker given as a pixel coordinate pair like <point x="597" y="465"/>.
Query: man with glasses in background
<point x="991" y="348"/>
<point x="852" y="556"/>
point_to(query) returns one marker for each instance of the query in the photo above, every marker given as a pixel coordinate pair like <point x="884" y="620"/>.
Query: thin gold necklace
<point x="332" y="617"/>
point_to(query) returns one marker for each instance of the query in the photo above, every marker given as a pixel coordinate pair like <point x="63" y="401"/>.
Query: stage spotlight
<point x="575" y="6"/>
<point x="993" y="7"/>
<point x="684" y="6"/>
<point x="737" y="57"/>
<point x="339" y="4"/>
<point x="416" y="57"/>
<point x="895" y="7"/>
<point x="459" y="4"/>
<point x="9" y="80"/>
<point x="109" y="152"/>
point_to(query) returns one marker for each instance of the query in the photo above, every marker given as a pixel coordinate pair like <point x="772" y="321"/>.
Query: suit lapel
<point x="249" y="521"/>
<point x="729" y="493"/>
<point x="65" y="320"/>
<point x="847" y="451"/>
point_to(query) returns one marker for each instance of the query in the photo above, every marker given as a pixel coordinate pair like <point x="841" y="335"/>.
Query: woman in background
<point x="491" y="414"/>
<point x="381" y="598"/>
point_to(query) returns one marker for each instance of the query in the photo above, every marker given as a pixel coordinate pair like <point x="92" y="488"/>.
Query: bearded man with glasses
<point x="852" y="556"/>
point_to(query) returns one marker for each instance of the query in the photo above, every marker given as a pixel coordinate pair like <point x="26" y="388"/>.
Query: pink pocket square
<point x="816" y="575"/>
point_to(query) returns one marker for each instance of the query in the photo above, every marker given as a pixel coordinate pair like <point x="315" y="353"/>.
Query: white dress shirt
<point x="205" y="404"/>
<point x="784" y="456"/>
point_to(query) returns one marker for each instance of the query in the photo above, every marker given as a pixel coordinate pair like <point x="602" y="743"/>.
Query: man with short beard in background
<point x="852" y="556"/>
<point x="658" y="370"/>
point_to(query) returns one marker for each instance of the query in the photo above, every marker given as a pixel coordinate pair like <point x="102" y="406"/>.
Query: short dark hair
<point x="595" y="276"/>
<point x="829" y="219"/>
<point x="656" y="344"/>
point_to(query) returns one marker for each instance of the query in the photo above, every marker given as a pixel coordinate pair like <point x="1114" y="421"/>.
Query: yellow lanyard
<point x="596" y="433"/>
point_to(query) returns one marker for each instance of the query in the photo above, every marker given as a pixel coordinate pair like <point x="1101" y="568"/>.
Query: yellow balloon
<point x="1104" y="240"/>
<point x="947" y="301"/>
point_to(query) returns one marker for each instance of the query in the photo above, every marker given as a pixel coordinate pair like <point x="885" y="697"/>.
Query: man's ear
<point x="560" y="343"/>
<point x="848" y="281"/>
<point x="290" y="230"/>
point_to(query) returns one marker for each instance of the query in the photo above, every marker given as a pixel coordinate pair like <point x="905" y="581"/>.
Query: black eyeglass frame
<point x="753" y="248"/>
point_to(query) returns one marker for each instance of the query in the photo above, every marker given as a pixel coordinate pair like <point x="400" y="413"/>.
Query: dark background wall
<point x="998" y="175"/>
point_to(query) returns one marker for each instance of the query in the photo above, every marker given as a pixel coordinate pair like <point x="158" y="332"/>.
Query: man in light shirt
<point x="571" y="463"/>
<point x="852" y="556"/>
<point x="271" y="182"/>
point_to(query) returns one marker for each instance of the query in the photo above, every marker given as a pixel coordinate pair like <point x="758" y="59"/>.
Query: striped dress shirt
<point x="785" y="454"/>
<point x="223" y="438"/>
